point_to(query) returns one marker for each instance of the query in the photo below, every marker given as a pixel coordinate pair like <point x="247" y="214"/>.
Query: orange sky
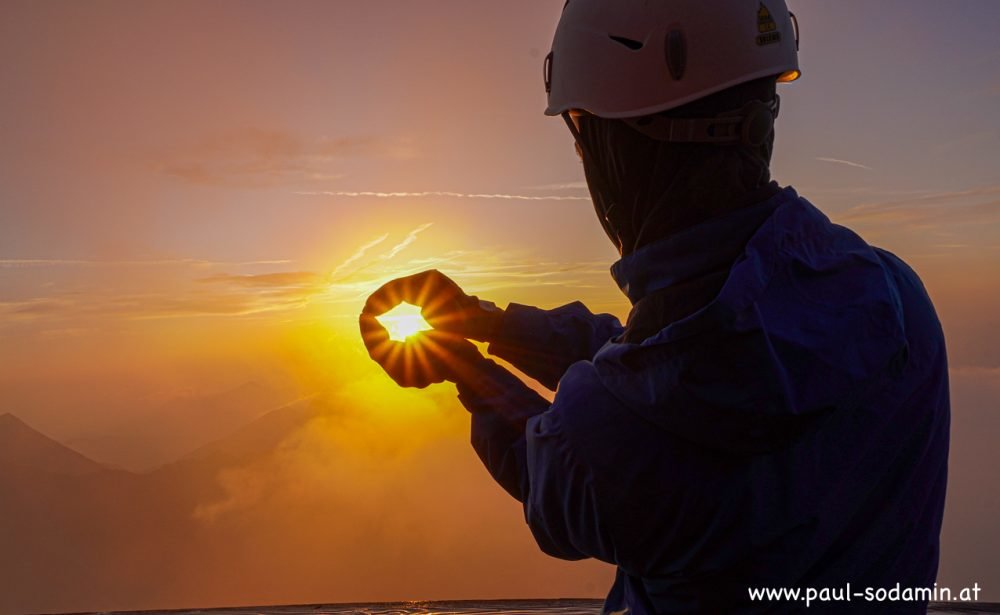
<point x="197" y="196"/>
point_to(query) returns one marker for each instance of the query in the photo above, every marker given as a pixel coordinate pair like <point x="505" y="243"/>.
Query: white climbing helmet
<point x="630" y="58"/>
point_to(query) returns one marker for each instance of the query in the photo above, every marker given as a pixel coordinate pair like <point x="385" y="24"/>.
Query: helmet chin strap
<point x="596" y="177"/>
<point x="749" y="125"/>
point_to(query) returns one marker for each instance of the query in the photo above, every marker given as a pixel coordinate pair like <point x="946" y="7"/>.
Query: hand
<point x="432" y="356"/>
<point x="429" y="357"/>
<point x="443" y="304"/>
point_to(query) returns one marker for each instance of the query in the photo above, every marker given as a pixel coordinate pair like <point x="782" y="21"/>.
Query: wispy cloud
<point x="69" y="262"/>
<point x="287" y="279"/>
<point x="848" y="163"/>
<point x="869" y="192"/>
<point x="478" y="271"/>
<point x="290" y="293"/>
<point x="580" y="185"/>
<point x="104" y="297"/>
<point x="208" y="292"/>
<point x="87" y="307"/>
<point x="260" y="157"/>
<point x="13" y="263"/>
<point x="936" y="211"/>
<point x="359" y="254"/>
<point x="444" y="194"/>
<point x="409" y="239"/>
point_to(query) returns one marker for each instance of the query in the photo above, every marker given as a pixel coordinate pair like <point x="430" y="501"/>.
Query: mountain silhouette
<point x="173" y="428"/>
<point x="260" y="436"/>
<point x="23" y="448"/>
<point x="110" y="539"/>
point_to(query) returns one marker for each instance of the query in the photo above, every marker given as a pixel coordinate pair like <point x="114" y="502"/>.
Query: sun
<point x="403" y="321"/>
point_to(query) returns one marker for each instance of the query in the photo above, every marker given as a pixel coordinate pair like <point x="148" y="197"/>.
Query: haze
<point x="196" y="198"/>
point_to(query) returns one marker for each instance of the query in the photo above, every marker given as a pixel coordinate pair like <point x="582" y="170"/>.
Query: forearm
<point x="544" y="343"/>
<point x="500" y="404"/>
<point x="523" y="442"/>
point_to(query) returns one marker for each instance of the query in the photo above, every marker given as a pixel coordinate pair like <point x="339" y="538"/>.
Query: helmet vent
<point x="676" y="49"/>
<point x="632" y="44"/>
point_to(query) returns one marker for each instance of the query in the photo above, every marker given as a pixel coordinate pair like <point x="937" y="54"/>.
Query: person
<point x="773" y="414"/>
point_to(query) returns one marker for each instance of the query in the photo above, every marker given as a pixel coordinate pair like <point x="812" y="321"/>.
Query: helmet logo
<point x="767" y="28"/>
<point x="676" y="50"/>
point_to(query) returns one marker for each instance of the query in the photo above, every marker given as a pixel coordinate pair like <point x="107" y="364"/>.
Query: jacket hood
<point x="807" y="322"/>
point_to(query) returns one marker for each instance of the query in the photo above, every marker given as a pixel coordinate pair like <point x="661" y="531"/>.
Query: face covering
<point x="644" y="190"/>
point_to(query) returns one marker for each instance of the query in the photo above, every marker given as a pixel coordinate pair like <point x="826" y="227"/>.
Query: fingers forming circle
<point x="416" y="289"/>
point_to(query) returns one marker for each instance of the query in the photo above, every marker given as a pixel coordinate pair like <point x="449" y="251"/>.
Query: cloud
<point x="241" y="297"/>
<point x="848" y="163"/>
<point x="297" y="279"/>
<point x="260" y="158"/>
<point x="257" y="293"/>
<point x="15" y="263"/>
<point x="935" y="210"/>
<point x="359" y="254"/>
<point x="38" y="307"/>
<point x="869" y="191"/>
<point x="186" y="289"/>
<point x="217" y="294"/>
<point x="580" y="185"/>
<point x="478" y="272"/>
<point x="441" y="193"/>
<point x="12" y="263"/>
<point x="203" y="290"/>
<point x="409" y="239"/>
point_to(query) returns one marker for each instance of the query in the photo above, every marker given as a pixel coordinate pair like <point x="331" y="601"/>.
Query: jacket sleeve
<point x="520" y="440"/>
<point x="544" y="343"/>
<point x="501" y="404"/>
<point x="596" y="481"/>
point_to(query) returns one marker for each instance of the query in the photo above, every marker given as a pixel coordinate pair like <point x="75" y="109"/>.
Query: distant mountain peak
<point x="24" y="447"/>
<point x="9" y="420"/>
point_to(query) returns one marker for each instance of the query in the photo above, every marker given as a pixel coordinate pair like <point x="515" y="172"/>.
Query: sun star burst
<point x="403" y="321"/>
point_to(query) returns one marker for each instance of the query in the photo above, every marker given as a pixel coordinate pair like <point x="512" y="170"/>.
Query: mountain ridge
<point x="24" y="447"/>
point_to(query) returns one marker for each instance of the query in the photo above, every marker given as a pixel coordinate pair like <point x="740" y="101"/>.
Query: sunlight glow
<point x="403" y="321"/>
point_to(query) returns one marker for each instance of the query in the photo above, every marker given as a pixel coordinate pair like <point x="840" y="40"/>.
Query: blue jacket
<point x="786" y="427"/>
